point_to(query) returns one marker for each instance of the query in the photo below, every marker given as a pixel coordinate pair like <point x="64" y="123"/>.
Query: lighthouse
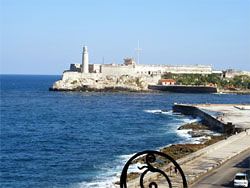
<point x="85" y="60"/>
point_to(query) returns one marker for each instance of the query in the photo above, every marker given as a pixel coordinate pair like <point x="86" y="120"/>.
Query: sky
<point x="46" y="36"/>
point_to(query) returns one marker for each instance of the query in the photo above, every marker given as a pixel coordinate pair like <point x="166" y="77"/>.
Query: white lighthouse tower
<point x="85" y="60"/>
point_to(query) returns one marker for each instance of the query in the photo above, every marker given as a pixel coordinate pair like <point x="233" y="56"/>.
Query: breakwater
<point x="184" y="89"/>
<point x="196" y="112"/>
<point x="225" y="118"/>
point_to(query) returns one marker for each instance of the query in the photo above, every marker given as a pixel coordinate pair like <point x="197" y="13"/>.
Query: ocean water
<point x="78" y="139"/>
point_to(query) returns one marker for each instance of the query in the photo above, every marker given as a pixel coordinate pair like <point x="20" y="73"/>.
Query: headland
<point x="131" y="76"/>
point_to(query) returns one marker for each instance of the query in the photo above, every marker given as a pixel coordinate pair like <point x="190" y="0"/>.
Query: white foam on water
<point x="166" y="112"/>
<point x="173" y="126"/>
<point x="109" y="175"/>
<point x="154" y="111"/>
<point x="184" y="133"/>
<point x="97" y="184"/>
<point x="190" y="120"/>
<point x="101" y="181"/>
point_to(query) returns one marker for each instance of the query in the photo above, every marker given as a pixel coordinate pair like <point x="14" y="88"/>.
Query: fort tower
<point x="85" y="60"/>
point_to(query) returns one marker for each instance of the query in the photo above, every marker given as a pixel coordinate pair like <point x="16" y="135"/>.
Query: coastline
<point x="204" y="152"/>
<point x="206" y="137"/>
<point x="239" y="92"/>
<point x="136" y="90"/>
<point x="202" y="161"/>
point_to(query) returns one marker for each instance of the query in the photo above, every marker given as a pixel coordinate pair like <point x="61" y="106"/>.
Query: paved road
<point x="223" y="176"/>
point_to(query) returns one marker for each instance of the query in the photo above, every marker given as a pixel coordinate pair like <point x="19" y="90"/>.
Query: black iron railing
<point x="150" y="160"/>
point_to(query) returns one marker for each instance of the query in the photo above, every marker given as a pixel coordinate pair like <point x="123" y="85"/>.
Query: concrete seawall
<point x="208" y="119"/>
<point x="184" y="89"/>
<point x="197" y="164"/>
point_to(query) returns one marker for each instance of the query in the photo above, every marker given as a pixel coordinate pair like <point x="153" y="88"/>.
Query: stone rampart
<point x="175" y="69"/>
<point x="117" y="70"/>
<point x="121" y="69"/>
<point x="69" y="75"/>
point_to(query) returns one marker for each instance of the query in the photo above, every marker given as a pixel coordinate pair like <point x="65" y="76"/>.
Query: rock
<point x="194" y="126"/>
<point x="108" y="83"/>
<point x="195" y="134"/>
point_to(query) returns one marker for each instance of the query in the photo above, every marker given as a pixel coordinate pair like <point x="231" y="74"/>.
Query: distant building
<point x="167" y="82"/>
<point x="218" y="72"/>
<point x="230" y="73"/>
<point x="76" y="67"/>
<point x="129" y="61"/>
<point x="129" y="67"/>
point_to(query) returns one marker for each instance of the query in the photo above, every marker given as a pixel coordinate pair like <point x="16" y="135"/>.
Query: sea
<point x="83" y="139"/>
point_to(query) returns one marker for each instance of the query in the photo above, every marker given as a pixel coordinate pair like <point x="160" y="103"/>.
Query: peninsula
<point x="131" y="76"/>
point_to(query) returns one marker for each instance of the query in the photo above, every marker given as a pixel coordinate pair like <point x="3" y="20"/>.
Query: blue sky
<point x="44" y="37"/>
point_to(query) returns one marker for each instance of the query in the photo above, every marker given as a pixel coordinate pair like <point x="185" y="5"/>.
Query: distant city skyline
<point x="44" y="37"/>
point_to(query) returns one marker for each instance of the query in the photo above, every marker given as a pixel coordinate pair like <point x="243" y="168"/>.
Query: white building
<point x="129" y="67"/>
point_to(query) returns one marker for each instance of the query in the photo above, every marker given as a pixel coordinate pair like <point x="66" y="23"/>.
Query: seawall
<point x="197" y="164"/>
<point x="184" y="89"/>
<point x="207" y="118"/>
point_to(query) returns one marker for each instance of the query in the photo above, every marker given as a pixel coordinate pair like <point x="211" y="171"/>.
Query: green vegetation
<point x="241" y="82"/>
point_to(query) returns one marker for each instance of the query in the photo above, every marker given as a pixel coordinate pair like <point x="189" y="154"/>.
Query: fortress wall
<point x="75" y="67"/>
<point x="195" y="69"/>
<point x="95" y="68"/>
<point x="97" y="71"/>
<point x="152" y="80"/>
<point x="68" y="75"/>
<point x="179" y="69"/>
<point x="143" y="69"/>
<point x="117" y="70"/>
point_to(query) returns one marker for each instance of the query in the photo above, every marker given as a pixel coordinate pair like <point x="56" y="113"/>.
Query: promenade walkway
<point x="237" y="114"/>
<point x="202" y="161"/>
<point x="197" y="164"/>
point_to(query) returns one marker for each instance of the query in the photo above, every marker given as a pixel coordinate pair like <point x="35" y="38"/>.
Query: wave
<point x="101" y="180"/>
<point x="169" y="112"/>
<point x="165" y="112"/>
<point x="98" y="184"/>
<point x="184" y="133"/>
<point x="177" y="121"/>
<point x="108" y="175"/>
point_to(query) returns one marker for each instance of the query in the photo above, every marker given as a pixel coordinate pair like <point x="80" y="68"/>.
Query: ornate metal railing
<point x="150" y="160"/>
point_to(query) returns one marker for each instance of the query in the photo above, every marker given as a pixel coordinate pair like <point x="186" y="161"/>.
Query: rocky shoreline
<point x="176" y="151"/>
<point x="115" y="83"/>
<point x="240" y="92"/>
<point x="198" y="129"/>
<point x="103" y="84"/>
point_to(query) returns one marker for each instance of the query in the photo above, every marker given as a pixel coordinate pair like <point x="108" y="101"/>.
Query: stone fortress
<point x="129" y="67"/>
<point x="126" y="76"/>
